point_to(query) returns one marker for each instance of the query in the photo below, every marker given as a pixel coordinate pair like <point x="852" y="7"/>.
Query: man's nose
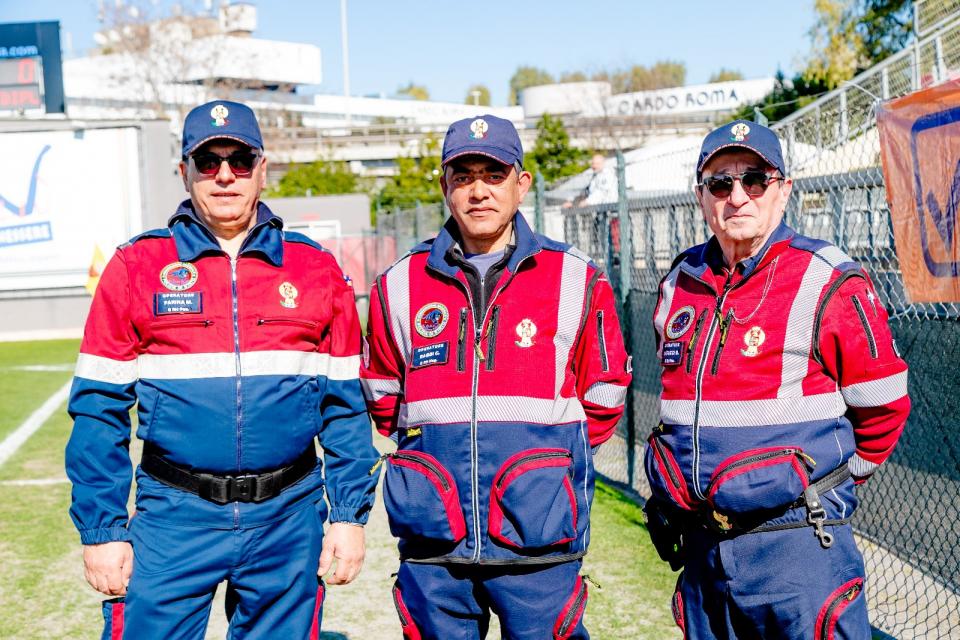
<point x="738" y="196"/>
<point x="478" y="190"/>
<point x="225" y="174"/>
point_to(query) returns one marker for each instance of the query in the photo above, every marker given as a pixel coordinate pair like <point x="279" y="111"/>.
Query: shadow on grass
<point x="623" y="505"/>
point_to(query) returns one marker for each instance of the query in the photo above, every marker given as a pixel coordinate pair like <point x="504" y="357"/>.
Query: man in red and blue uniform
<point x="239" y="343"/>
<point x="495" y="359"/>
<point x="782" y="390"/>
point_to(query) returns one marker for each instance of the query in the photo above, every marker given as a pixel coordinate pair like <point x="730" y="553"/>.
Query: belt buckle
<point x="242" y="488"/>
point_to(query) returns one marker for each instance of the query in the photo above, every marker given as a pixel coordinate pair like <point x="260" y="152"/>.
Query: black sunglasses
<point x="754" y="183"/>
<point x="241" y="162"/>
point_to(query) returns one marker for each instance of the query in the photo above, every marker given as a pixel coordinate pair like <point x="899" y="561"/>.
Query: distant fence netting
<point x="909" y="518"/>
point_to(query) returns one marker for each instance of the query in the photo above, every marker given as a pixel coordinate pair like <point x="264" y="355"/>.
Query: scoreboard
<point x="21" y="84"/>
<point x="31" y="68"/>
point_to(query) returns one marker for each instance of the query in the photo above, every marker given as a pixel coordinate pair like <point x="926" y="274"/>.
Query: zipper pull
<point x="376" y="465"/>
<point x="810" y="461"/>
<point x="478" y="350"/>
<point x="852" y="593"/>
<point x="592" y="581"/>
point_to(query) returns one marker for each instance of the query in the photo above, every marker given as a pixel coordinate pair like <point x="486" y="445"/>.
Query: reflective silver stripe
<point x="860" y="467"/>
<point x="754" y="413"/>
<point x="375" y="388"/>
<point x="667" y="290"/>
<point x="573" y="285"/>
<point x="252" y="363"/>
<point x="106" y="370"/>
<point x="398" y="299"/>
<point x="834" y="256"/>
<point x="606" y="394"/>
<point x="799" y="332"/>
<point x="876" y="393"/>
<point x="492" y="409"/>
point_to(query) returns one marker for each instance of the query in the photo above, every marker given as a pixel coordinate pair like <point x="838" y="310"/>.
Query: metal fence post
<point x="625" y="285"/>
<point x="538" y="202"/>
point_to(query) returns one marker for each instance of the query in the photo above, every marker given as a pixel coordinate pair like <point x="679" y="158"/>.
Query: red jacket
<point x="773" y="376"/>
<point x="495" y="413"/>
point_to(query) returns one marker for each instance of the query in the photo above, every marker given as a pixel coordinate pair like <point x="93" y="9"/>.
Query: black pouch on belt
<point x="665" y="525"/>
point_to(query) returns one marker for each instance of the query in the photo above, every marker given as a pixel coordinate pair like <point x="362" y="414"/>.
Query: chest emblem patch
<point x="526" y="330"/>
<point x="431" y="319"/>
<point x="680" y="322"/>
<point x="179" y="276"/>
<point x="753" y="339"/>
<point x="289" y="294"/>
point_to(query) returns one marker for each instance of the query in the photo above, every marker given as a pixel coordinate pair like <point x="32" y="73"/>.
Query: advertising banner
<point x="920" y="151"/>
<point x="63" y="194"/>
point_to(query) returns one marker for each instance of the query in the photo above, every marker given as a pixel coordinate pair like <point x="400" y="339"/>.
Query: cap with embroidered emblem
<point x="484" y="135"/>
<point x="220" y="119"/>
<point x="745" y="135"/>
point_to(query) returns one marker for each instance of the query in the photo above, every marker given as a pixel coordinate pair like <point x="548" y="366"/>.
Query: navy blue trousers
<point x="775" y="584"/>
<point x="271" y="572"/>
<point x="454" y="602"/>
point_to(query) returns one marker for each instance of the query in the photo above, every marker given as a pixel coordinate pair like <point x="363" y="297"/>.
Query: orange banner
<point x="920" y="151"/>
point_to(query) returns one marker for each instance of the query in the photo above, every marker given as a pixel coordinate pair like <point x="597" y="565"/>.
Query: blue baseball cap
<point x="220" y="119"/>
<point x="745" y="135"/>
<point x="486" y="136"/>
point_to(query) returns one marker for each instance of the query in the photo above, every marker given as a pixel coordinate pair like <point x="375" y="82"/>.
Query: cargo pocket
<point x="532" y="504"/>
<point x="572" y="611"/>
<point x="759" y="479"/>
<point x="410" y="631"/>
<point x="834" y="607"/>
<point x="421" y="498"/>
<point x="676" y="606"/>
<point x="112" y="619"/>
<point x="663" y="472"/>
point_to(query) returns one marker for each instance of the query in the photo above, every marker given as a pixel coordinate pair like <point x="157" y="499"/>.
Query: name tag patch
<point x="430" y="354"/>
<point x="165" y="304"/>
<point x="672" y="353"/>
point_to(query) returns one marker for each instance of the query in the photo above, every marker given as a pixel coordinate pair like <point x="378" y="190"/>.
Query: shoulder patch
<point x="576" y="253"/>
<point x="295" y="236"/>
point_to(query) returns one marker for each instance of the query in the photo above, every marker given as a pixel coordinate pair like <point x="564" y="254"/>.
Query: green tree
<point x="885" y="27"/>
<point x="573" y="76"/>
<point x="787" y="96"/>
<point x="552" y="153"/>
<point x="725" y="75"/>
<point x="664" y="74"/>
<point x="317" y="178"/>
<point x="525" y="77"/>
<point x="415" y="91"/>
<point x="417" y="180"/>
<point x="478" y="94"/>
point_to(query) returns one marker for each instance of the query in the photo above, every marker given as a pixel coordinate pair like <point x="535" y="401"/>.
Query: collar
<point x="193" y="238"/>
<point x="713" y="255"/>
<point x="448" y="246"/>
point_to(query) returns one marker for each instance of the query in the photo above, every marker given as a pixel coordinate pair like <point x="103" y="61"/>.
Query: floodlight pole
<point x="346" y="59"/>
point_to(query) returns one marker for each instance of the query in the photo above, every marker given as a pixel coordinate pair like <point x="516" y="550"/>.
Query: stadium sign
<point x="31" y="73"/>
<point x="718" y="96"/>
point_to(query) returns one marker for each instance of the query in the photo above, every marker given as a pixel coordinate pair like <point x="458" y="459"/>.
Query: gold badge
<point x="753" y="339"/>
<point x="179" y="276"/>
<point x="526" y="330"/>
<point x="723" y="522"/>
<point x="289" y="293"/>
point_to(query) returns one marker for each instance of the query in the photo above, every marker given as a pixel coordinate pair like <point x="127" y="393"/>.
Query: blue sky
<point x="447" y="46"/>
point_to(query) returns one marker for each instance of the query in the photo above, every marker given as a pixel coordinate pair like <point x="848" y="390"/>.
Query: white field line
<point x="34" y="483"/>
<point x="41" y="367"/>
<point x="22" y="433"/>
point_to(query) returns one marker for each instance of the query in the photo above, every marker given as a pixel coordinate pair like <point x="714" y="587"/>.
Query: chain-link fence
<point x="909" y="520"/>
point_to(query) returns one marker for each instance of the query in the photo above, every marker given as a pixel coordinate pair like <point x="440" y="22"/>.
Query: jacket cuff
<point x="101" y="536"/>
<point x="353" y="514"/>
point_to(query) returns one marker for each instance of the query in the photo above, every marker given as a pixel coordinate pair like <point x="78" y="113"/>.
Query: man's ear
<point x="183" y="175"/>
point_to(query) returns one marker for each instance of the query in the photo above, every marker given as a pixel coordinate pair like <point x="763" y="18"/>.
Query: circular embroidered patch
<point x="679" y="322"/>
<point x="179" y="276"/>
<point x="431" y="319"/>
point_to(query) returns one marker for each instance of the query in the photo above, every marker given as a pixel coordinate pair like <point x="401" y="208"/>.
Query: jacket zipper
<point x="545" y="455"/>
<point x="602" y="341"/>
<point x="236" y="353"/>
<point x="866" y="326"/>
<point x="572" y="613"/>
<point x="692" y="347"/>
<point x="847" y="596"/>
<point x="183" y="323"/>
<point x="404" y="623"/>
<point x="666" y="463"/>
<point x="425" y="463"/>
<point x="724" y="329"/>
<point x="462" y="341"/>
<point x="492" y="336"/>
<point x="305" y="323"/>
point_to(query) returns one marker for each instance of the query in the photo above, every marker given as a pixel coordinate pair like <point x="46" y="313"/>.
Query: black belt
<point x="227" y="488"/>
